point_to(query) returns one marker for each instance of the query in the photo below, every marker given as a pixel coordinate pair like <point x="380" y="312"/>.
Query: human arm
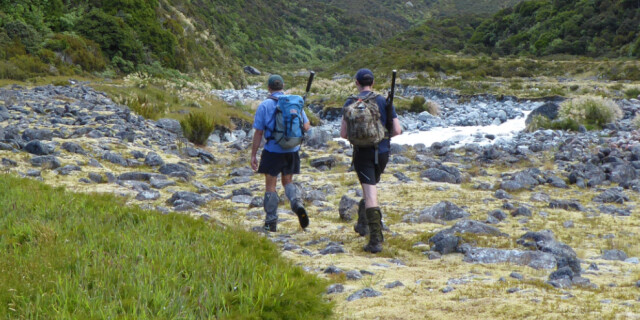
<point x="257" y="139"/>
<point x="397" y="128"/>
<point x="343" y="129"/>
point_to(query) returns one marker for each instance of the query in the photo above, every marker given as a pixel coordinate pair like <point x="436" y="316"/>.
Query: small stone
<point x="447" y="289"/>
<point x="354" y="275"/>
<point x="516" y="275"/>
<point x="148" y="195"/>
<point x="335" y="288"/>
<point x="394" y="284"/>
<point x="332" y="270"/>
<point x="364" y="293"/>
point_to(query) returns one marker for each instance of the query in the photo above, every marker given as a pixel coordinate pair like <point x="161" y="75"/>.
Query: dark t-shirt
<point x="384" y="145"/>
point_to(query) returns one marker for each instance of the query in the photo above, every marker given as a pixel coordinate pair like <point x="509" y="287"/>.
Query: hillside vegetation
<point x="533" y="34"/>
<point x="208" y="39"/>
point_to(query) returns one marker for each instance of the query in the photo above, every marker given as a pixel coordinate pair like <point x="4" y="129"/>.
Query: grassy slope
<point x="90" y="256"/>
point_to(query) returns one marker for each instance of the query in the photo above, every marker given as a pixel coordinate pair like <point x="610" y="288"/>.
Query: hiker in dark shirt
<point x="368" y="168"/>
<point x="275" y="160"/>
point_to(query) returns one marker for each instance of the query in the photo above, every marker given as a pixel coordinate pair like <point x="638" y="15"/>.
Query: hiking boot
<point x="300" y="211"/>
<point x="361" y="226"/>
<point x="271" y="226"/>
<point x="374" y="217"/>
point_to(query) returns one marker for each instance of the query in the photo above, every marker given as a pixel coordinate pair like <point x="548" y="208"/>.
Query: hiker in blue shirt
<point x="369" y="166"/>
<point x="275" y="160"/>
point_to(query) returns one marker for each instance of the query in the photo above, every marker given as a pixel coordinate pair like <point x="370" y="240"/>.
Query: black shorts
<point x="273" y="163"/>
<point x="364" y="163"/>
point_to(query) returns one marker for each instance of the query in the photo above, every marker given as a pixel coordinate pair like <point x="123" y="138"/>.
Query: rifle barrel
<point x="311" y="75"/>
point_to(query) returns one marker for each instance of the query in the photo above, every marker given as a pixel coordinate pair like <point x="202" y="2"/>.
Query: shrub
<point x="24" y="33"/>
<point x="417" y="105"/>
<point x="433" y="108"/>
<point x="197" y="127"/>
<point x="542" y="122"/>
<point x="141" y="105"/>
<point x="79" y="51"/>
<point x="591" y="111"/>
<point x="632" y="93"/>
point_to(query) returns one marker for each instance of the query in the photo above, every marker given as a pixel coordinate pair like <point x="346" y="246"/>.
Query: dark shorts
<point x="365" y="166"/>
<point x="273" y="163"/>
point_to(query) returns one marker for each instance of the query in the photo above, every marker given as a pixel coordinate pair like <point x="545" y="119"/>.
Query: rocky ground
<point x="544" y="225"/>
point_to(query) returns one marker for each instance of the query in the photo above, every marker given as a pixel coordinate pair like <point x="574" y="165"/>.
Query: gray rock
<point x="443" y="174"/>
<point x="443" y="211"/>
<point x="186" y="196"/>
<point x="34" y="173"/>
<point x="328" y="162"/>
<point x="237" y="180"/>
<point x="244" y="199"/>
<point x="241" y="172"/>
<point x="66" y="170"/>
<point x="140" y="176"/>
<point x="516" y="275"/>
<point x="332" y="270"/>
<point x="394" y="284"/>
<point x="316" y="138"/>
<point x="544" y="241"/>
<point x="73" y="148"/>
<point x="348" y="208"/>
<point x="613" y="195"/>
<point x="447" y="289"/>
<point x="533" y="259"/>
<point x="548" y="110"/>
<point x="614" y="255"/>
<point x="521" y="211"/>
<point x="37" y="134"/>
<point x="159" y="183"/>
<point x="256" y="202"/>
<point x="498" y="215"/>
<point x="38" y="148"/>
<point x="170" y="125"/>
<point x="571" y="205"/>
<point x="251" y="70"/>
<point x="501" y="194"/>
<point x="364" y="293"/>
<point x="148" y="195"/>
<point x="9" y="163"/>
<point x="444" y="243"/>
<point x="176" y="168"/>
<point x="96" y="177"/>
<point x="353" y="275"/>
<point x="332" y="248"/>
<point x="335" y="288"/>
<point x="153" y="160"/>
<point x="115" y="159"/>
<point x="557" y="182"/>
<point x="568" y="224"/>
<point x="49" y="162"/>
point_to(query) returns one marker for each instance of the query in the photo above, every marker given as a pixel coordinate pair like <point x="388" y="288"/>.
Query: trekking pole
<point x="311" y="75"/>
<point x="390" y="103"/>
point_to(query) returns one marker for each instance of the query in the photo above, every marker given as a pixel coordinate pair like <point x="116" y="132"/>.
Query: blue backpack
<point x="288" y="131"/>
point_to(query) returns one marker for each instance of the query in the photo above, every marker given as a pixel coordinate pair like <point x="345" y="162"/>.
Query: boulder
<point x="548" y="110"/>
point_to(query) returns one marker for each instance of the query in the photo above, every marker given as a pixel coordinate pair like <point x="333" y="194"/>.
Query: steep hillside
<point x="209" y="38"/>
<point x="604" y="28"/>
<point x="594" y="28"/>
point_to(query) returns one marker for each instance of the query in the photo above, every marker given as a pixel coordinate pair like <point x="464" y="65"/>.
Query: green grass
<point x="65" y="255"/>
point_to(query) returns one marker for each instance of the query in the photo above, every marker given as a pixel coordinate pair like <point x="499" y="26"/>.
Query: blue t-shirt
<point x="265" y="119"/>
<point x="384" y="145"/>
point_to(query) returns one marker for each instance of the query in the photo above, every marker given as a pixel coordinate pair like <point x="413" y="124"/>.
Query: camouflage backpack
<point x="364" y="128"/>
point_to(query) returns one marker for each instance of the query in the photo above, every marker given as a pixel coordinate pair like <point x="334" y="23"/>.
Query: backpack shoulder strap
<point x="272" y="97"/>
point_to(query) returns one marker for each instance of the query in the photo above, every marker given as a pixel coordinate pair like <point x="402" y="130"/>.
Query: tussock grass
<point x="197" y="127"/>
<point x="64" y="255"/>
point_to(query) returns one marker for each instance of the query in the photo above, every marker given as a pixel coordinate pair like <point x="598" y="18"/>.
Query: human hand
<point x="254" y="163"/>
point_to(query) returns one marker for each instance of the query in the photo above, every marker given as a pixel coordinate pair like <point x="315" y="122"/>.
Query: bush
<point x="197" y="127"/>
<point x="632" y="93"/>
<point x="433" y="108"/>
<point x="24" y="33"/>
<point x="542" y="122"/>
<point x="417" y="105"/>
<point x="78" y="50"/>
<point x="142" y="105"/>
<point x="591" y="111"/>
